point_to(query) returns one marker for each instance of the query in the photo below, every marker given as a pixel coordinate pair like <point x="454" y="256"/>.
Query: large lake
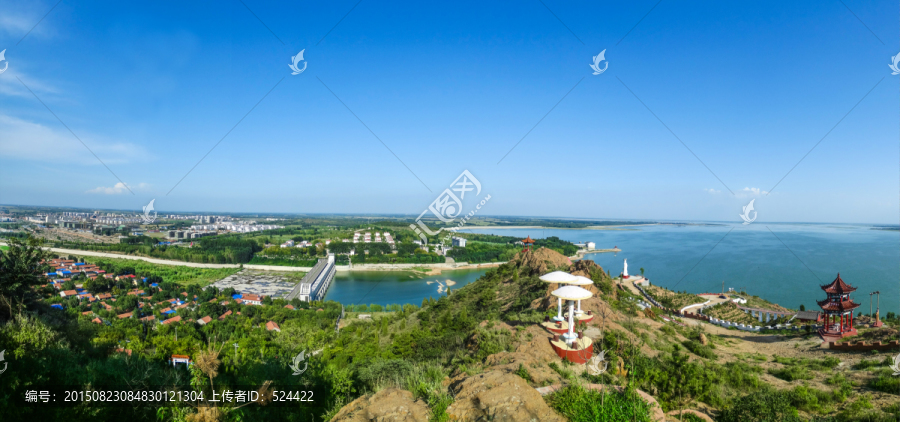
<point x="785" y="265"/>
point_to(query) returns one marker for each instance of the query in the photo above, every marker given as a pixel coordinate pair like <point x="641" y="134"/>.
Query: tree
<point x="20" y="270"/>
<point x="802" y="308"/>
<point x="642" y="271"/>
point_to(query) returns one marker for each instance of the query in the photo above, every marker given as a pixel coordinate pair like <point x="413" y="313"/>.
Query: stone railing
<point x="863" y="346"/>
<point x="757" y="328"/>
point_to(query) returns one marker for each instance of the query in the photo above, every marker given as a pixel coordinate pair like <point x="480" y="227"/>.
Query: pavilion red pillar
<point x="851" y="320"/>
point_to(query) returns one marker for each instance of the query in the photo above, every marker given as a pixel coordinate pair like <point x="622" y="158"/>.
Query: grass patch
<point x="885" y="382"/>
<point x="173" y="273"/>
<point x="792" y="373"/>
<point x="578" y="404"/>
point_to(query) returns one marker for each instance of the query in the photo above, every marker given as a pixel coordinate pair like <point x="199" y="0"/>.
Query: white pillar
<point x="571" y="335"/>
<point x="760" y="315"/>
<point x="579" y="311"/>
<point x="559" y="316"/>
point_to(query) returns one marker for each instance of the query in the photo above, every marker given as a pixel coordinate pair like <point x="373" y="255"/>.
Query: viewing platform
<point x="579" y="351"/>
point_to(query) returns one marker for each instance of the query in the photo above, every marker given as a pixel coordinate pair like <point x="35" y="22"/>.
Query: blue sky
<point x="750" y="88"/>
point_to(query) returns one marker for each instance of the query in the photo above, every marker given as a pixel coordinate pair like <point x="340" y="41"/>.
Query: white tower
<point x="625" y="272"/>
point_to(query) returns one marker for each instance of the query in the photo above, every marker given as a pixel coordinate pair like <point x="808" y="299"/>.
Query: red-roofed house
<point x="148" y="318"/>
<point x="86" y="312"/>
<point x="67" y="293"/>
<point x="205" y="320"/>
<point x="126" y="315"/>
<point x="224" y="315"/>
<point x="175" y="319"/>
<point x="252" y="299"/>
<point x="291" y="307"/>
<point x="125" y="351"/>
<point x="97" y="321"/>
<point x="272" y="325"/>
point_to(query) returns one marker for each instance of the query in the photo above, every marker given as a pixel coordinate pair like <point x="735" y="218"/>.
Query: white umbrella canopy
<point x="581" y="281"/>
<point x="558" y="277"/>
<point x="571" y="293"/>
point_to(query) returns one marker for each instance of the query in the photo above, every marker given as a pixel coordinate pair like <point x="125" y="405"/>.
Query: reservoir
<point x="783" y="263"/>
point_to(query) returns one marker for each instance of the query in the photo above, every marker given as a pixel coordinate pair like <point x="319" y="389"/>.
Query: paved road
<point x="171" y="262"/>
<point x="713" y="300"/>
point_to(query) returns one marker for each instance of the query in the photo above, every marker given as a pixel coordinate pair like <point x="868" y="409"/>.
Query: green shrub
<point x="700" y="350"/>
<point x="522" y="372"/>
<point x="762" y="406"/>
<point x="578" y="404"/>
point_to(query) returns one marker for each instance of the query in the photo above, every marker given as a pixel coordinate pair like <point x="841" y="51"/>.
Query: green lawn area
<point x="174" y="273"/>
<point x="4" y="248"/>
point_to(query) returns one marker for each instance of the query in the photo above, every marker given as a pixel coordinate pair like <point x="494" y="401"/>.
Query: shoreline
<point x="615" y="227"/>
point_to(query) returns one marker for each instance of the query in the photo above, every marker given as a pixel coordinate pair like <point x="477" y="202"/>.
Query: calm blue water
<point x="751" y="258"/>
<point x="390" y="287"/>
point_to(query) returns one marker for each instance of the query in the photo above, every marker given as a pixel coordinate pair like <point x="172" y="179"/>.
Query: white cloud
<point x="748" y="192"/>
<point x="24" y="140"/>
<point x="117" y="189"/>
<point x="712" y="191"/>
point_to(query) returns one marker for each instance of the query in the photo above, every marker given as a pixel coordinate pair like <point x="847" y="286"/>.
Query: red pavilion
<point x="528" y="242"/>
<point x="838" y="310"/>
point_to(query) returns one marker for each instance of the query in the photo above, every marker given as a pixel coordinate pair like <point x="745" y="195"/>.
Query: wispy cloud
<point x="712" y="191"/>
<point x="25" y="140"/>
<point x="748" y="192"/>
<point x="11" y="87"/>
<point x="118" y="188"/>
<point x="19" y="17"/>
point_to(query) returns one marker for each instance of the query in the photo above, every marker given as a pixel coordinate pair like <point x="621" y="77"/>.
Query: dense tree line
<point x="223" y="249"/>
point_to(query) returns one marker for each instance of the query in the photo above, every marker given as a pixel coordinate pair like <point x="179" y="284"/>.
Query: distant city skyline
<point x="701" y="108"/>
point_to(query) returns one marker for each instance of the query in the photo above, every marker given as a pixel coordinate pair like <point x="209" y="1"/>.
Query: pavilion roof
<point x="572" y="293"/>
<point x="838" y="286"/>
<point x="558" y="277"/>
<point x="528" y="239"/>
<point x="846" y="305"/>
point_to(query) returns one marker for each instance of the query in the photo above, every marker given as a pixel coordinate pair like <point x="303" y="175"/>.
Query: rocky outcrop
<point x="501" y="397"/>
<point x="389" y="405"/>
<point x="541" y="260"/>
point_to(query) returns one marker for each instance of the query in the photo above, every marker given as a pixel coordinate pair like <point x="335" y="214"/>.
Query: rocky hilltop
<point x="480" y="354"/>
